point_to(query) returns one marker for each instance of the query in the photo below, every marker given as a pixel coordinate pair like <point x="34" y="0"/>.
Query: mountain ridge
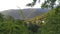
<point x="28" y="13"/>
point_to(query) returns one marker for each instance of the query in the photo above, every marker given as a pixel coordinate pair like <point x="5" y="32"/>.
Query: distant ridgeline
<point x="26" y="13"/>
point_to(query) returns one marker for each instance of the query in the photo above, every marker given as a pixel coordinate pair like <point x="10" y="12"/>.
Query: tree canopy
<point x="47" y="3"/>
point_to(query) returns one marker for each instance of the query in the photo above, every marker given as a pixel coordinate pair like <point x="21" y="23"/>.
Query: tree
<point x="12" y="26"/>
<point x="1" y="17"/>
<point x="52" y="25"/>
<point x="46" y="4"/>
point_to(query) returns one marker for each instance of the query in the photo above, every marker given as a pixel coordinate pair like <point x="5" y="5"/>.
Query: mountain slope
<point x="28" y="13"/>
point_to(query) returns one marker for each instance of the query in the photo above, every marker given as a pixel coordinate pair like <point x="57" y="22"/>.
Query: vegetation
<point x="51" y="25"/>
<point x="9" y="25"/>
<point x="48" y="23"/>
<point x="46" y="4"/>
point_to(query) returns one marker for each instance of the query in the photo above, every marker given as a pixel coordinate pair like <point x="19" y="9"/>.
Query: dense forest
<point x="51" y="24"/>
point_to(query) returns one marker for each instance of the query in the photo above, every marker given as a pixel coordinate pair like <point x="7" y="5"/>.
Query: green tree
<point x="12" y="26"/>
<point x="1" y="17"/>
<point x="52" y="25"/>
<point x="46" y="4"/>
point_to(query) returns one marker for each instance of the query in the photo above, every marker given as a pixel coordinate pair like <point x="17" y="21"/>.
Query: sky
<point x="14" y="4"/>
<point x="17" y="4"/>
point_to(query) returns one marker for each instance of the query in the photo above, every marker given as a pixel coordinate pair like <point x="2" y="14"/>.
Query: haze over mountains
<point x="28" y="13"/>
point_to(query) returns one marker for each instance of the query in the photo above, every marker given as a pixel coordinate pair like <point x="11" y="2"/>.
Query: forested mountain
<point x="28" y="13"/>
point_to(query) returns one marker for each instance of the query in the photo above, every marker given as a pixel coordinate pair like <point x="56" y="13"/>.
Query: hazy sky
<point x="13" y="4"/>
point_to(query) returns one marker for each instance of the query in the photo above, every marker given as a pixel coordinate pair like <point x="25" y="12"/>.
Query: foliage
<point x="32" y="4"/>
<point x="52" y="25"/>
<point x="1" y="17"/>
<point x="46" y="4"/>
<point x="12" y="26"/>
<point x="9" y="25"/>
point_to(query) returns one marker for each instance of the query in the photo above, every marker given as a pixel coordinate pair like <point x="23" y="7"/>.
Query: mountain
<point x="28" y="13"/>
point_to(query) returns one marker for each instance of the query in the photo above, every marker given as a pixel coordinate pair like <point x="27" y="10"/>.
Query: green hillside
<point x="51" y="23"/>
